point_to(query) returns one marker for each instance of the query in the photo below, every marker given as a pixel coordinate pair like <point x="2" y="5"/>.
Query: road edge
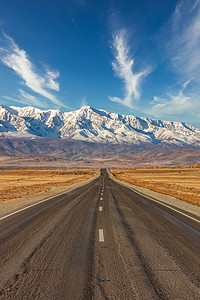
<point x="34" y="203"/>
<point x="165" y="199"/>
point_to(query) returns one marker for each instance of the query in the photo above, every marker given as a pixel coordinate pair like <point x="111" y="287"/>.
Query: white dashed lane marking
<point x="101" y="235"/>
<point x="100" y="208"/>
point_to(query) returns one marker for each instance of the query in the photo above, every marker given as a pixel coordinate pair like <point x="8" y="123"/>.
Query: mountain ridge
<point x="94" y="125"/>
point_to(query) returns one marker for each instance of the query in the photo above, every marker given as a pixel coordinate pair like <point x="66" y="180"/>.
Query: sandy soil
<point x="20" y="188"/>
<point x="182" y="183"/>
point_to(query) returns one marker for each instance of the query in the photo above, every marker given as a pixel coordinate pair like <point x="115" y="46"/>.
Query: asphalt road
<point x="100" y="241"/>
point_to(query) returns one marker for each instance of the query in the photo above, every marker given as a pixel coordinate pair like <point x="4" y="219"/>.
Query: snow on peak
<point x="94" y="125"/>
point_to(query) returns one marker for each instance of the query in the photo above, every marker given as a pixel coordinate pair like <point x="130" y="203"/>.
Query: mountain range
<point x="95" y="125"/>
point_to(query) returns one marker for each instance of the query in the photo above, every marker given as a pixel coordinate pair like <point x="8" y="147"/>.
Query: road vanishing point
<point x="100" y="241"/>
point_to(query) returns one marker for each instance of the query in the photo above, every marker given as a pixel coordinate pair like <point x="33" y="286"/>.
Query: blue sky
<point x="131" y="57"/>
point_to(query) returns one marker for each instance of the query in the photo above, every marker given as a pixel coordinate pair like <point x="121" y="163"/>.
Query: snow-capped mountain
<point x="94" y="125"/>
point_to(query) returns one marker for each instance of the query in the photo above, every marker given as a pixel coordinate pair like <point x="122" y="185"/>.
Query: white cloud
<point x="184" y="44"/>
<point x="50" y="80"/>
<point x="17" y="59"/>
<point x="27" y="99"/>
<point x="30" y="99"/>
<point x="123" y="68"/>
<point x="174" y="105"/>
<point x="84" y="101"/>
<point x="181" y="40"/>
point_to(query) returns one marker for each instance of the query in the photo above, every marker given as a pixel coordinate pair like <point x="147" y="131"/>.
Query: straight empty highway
<point x="100" y="241"/>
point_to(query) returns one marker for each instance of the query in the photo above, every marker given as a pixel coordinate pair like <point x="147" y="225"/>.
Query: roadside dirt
<point x="20" y="188"/>
<point x="182" y="183"/>
<point x="165" y="198"/>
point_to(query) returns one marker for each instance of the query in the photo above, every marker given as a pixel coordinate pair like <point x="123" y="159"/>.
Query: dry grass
<point x="183" y="183"/>
<point x="20" y="183"/>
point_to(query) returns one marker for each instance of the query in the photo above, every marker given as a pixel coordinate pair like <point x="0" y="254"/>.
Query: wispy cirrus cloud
<point x="123" y="68"/>
<point x="27" y="99"/>
<point x="181" y="42"/>
<point x="175" y="104"/>
<point x="83" y="101"/>
<point x="17" y="59"/>
<point x="184" y="44"/>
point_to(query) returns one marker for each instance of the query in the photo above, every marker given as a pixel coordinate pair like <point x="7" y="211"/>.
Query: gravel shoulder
<point x="9" y="206"/>
<point x="190" y="208"/>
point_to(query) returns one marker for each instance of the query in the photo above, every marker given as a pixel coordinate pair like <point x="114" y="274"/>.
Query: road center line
<point x="101" y="235"/>
<point x="100" y="208"/>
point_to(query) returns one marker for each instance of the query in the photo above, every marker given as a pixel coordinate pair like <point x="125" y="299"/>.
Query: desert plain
<point x="16" y="183"/>
<point x="182" y="183"/>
